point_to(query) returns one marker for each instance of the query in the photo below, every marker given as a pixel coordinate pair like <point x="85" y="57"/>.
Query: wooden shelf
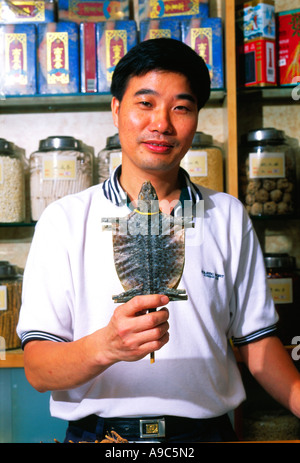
<point x="54" y="103"/>
<point x="13" y="359"/>
<point x="273" y="95"/>
<point x="17" y="224"/>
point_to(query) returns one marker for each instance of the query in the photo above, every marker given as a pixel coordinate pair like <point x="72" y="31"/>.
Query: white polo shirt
<point x="70" y="278"/>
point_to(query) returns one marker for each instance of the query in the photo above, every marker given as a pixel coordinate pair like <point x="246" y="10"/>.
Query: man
<point x="93" y="355"/>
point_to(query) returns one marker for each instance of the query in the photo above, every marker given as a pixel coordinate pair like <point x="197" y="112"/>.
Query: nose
<point x="161" y="121"/>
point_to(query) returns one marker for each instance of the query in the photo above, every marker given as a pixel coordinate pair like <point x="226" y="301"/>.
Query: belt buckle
<point x="152" y="428"/>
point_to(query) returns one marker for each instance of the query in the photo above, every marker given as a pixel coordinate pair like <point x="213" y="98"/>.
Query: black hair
<point x="163" y="54"/>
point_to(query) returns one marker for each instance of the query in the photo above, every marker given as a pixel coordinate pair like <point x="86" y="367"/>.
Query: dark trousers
<point x="177" y="429"/>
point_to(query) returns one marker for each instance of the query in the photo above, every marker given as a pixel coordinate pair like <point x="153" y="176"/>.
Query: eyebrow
<point x="180" y="96"/>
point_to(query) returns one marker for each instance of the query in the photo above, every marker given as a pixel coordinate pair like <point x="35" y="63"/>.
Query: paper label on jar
<point x="59" y="168"/>
<point x="281" y="290"/>
<point x="3" y="298"/>
<point x="114" y="161"/>
<point x="1" y="171"/>
<point x="195" y="163"/>
<point x="266" y="165"/>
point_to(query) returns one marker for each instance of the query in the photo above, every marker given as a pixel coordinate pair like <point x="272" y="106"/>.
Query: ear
<point x="115" y="107"/>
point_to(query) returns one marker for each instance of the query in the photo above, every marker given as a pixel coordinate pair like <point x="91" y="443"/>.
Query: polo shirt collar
<point x="114" y="192"/>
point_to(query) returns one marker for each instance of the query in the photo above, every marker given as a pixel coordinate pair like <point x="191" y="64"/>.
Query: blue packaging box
<point x="18" y="59"/>
<point x="155" y="9"/>
<point x="155" y="28"/>
<point x="58" y="58"/>
<point x="206" y="38"/>
<point x="30" y="11"/>
<point x="114" y="40"/>
<point x="92" y="10"/>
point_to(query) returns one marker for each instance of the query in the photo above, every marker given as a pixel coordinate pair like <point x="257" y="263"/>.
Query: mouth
<point x="158" y="147"/>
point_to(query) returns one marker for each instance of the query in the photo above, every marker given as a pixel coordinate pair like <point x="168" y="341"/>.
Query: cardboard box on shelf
<point x="88" y="58"/>
<point x="114" y="40"/>
<point x="92" y="10"/>
<point x="257" y="63"/>
<point x="154" y="9"/>
<point x="256" y="19"/>
<point x="58" y="58"/>
<point x="205" y="36"/>
<point x="288" y="30"/>
<point x="30" y="11"/>
<point x="18" y="59"/>
<point x="165" y="27"/>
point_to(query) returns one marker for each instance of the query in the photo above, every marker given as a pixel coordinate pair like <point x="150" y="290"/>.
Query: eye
<point x="144" y="104"/>
<point x="182" y="108"/>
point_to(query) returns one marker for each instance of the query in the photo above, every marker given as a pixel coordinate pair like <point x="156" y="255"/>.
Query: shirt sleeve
<point x="47" y="295"/>
<point x="251" y="305"/>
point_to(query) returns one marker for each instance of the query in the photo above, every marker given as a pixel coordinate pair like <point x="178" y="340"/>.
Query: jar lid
<point x="274" y="260"/>
<point x="6" y="146"/>
<point x="113" y="142"/>
<point x="60" y="143"/>
<point x="264" y="134"/>
<point x="201" y="138"/>
<point x="8" y="270"/>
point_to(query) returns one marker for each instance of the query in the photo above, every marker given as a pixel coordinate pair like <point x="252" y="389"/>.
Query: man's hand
<point x="133" y="333"/>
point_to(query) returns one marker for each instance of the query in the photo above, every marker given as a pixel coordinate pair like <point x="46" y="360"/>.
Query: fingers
<point x="134" y="315"/>
<point x="143" y="303"/>
<point x="139" y="344"/>
<point x="138" y="332"/>
<point x="157" y="334"/>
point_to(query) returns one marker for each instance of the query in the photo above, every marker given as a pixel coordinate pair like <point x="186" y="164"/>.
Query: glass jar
<point x="109" y="158"/>
<point x="10" y="303"/>
<point x="204" y="162"/>
<point x="61" y="166"/>
<point x="283" y="280"/>
<point x="12" y="183"/>
<point x="267" y="173"/>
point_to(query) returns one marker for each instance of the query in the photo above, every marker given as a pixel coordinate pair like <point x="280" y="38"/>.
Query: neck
<point x="166" y="184"/>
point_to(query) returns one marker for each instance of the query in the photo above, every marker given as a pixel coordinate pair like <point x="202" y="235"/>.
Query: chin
<point x="162" y="167"/>
<point x="164" y="164"/>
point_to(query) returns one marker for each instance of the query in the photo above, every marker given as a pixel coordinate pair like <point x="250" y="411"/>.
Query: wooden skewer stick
<point x="152" y="355"/>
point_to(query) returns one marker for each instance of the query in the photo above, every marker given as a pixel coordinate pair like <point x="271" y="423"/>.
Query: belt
<point x="144" y="427"/>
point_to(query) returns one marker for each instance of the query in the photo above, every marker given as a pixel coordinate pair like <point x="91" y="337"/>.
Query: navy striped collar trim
<point x="114" y="192"/>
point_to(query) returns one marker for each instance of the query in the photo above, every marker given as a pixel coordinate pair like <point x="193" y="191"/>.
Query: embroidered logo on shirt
<point x="216" y="276"/>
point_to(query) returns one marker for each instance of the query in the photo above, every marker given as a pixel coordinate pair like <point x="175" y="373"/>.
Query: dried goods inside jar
<point x="61" y="166"/>
<point x="12" y="183"/>
<point x="204" y="162"/>
<point x="267" y="174"/>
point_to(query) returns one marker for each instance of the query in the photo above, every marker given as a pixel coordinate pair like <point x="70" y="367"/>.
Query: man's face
<point x="157" y="119"/>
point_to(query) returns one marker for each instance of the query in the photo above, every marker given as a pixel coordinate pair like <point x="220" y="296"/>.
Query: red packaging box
<point x="88" y="58"/>
<point x="257" y="63"/>
<point x="288" y="30"/>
